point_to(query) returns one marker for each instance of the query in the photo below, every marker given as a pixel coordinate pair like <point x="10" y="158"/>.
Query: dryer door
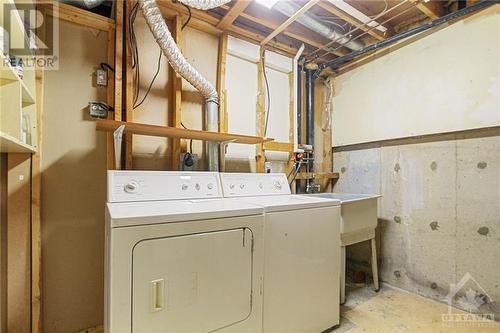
<point x="192" y="283"/>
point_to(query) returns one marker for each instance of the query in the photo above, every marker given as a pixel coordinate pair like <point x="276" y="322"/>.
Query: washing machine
<point x="179" y="257"/>
<point x="302" y="253"/>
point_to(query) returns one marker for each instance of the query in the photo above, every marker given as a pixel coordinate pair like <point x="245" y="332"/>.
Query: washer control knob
<point x="277" y="185"/>
<point x="210" y="186"/>
<point x="261" y="186"/>
<point x="231" y="186"/>
<point x="131" y="187"/>
<point x="242" y="186"/>
<point x="197" y="187"/>
<point x="184" y="187"/>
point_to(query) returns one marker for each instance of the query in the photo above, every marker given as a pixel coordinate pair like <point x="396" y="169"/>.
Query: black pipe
<point x="299" y="104"/>
<point x="310" y="107"/>
<point x="340" y="60"/>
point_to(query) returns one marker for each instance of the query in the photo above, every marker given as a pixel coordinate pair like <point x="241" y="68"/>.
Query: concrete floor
<point x="395" y="310"/>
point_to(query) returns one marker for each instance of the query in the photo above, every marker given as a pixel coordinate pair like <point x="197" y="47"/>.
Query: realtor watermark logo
<point x="474" y="301"/>
<point x="29" y="38"/>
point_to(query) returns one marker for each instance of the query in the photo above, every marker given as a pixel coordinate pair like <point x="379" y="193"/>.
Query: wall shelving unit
<point x="17" y="95"/>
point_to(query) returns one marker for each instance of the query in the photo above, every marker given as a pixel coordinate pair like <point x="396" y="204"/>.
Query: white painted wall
<point x="242" y="89"/>
<point x="447" y="81"/>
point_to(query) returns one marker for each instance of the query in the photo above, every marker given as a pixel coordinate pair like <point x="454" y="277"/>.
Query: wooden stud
<point x="260" y="157"/>
<point x="36" y="191"/>
<point x="176" y="106"/>
<point x="221" y="82"/>
<point x="118" y="59"/>
<point x="291" y="135"/>
<point x="233" y="13"/>
<point x="433" y="9"/>
<point x="110" y="98"/>
<point x="278" y="146"/>
<point x="181" y="133"/>
<point x="289" y="21"/>
<point x="129" y="87"/>
<point x="351" y="20"/>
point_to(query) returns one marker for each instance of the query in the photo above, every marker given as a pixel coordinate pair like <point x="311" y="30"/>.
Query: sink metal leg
<point x="342" y="274"/>
<point x="374" y="264"/>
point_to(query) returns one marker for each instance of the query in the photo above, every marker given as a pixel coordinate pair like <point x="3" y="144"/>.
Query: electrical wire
<point x="105" y="66"/>
<point x="189" y="16"/>
<point x="152" y="81"/>
<point x="326" y="46"/>
<point x="190" y="141"/>
<point x="268" y="106"/>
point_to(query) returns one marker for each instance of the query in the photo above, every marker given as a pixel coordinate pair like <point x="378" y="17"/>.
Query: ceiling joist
<point x="352" y="20"/>
<point x="289" y="21"/>
<point x="433" y="9"/>
<point x="232" y="14"/>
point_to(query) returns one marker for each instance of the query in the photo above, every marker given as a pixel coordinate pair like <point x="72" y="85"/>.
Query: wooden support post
<point x="221" y="82"/>
<point x="129" y="87"/>
<point x="260" y="157"/>
<point x="36" y="191"/>
<point x="291" y="135"/>
<point x="110" y="97"/>
<point x="176" y="106"/>
<point x="36" y="225"/>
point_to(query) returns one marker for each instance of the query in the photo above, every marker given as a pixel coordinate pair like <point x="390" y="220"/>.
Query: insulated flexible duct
<point x="160" y="31"/>
<point x="204" y="4"/>
<point x="314" y="23"/>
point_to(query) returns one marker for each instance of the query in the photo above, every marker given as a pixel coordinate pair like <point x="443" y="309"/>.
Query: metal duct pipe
<point x="198" y="4"/>
<point x="310" y="106"/>
<point x="313" y="22"/>
<point x="160" y="31"/>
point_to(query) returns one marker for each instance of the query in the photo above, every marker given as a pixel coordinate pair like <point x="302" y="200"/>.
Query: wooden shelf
<point x="7" y="74"/>
<point x="179" y="133"/>
<point x="317" y="175"/>
<point x="9" y="144"/>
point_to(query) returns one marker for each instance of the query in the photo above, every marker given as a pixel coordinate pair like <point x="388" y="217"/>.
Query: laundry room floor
<point x="393" y="310"/>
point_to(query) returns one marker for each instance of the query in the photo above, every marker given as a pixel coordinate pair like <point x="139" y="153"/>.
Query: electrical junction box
<point x="99" y="109"/>
<point x="101" y="77"/>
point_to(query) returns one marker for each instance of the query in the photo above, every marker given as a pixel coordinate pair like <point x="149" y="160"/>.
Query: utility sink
<point x="358" y="215"/>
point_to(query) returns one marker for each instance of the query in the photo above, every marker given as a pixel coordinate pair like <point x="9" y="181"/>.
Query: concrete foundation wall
<point x="439" y="215"/>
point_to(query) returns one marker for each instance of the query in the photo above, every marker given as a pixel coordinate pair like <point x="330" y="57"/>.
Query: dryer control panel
<point x="254" y="184"/>
<point x="125" y="186"/>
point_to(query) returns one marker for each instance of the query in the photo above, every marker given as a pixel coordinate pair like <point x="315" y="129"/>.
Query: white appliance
<point x="180" y="258"/>
<point x="302" y="253"/>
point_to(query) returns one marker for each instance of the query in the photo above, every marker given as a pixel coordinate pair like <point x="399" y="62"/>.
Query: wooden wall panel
<point x="18" y="243"/>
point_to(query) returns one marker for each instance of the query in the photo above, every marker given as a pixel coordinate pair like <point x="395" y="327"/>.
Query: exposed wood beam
<point x="289" y="21"/>
<point x="351" y="20"/>
<point x="172" y="132"/>
<point x="210" y="23"/>
<point x="233" y="14"/>
<point x="433" y="9"/>
<point x="77" y="15"/>
<point x="272" y="24"/>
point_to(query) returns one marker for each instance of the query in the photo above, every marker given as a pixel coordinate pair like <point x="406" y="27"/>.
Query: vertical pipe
<point x="299" y="104"/>
<point x="212" y="125"/>
<point x="310" y="107"/>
